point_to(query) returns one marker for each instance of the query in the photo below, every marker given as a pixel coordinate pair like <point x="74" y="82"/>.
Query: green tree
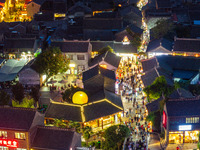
<point x="59" y="123"/>
<point x="4" y="98"/>
<point x="114" y="137"/>
<point x="158" y="88"/>
<point x="67" y="95"/>
<point x="87" y="132"/>
<point x="51" y="61"/>
<point x="35" y="93"/>
<point x="18" y="92"/>
<point x="105" y="49"/>
<point x="136" y="41"/>
<point x="162" y="28"/>
<point x="76" y="125"/>
<point x="27" y="102"/>
<point x="151" y="117"/>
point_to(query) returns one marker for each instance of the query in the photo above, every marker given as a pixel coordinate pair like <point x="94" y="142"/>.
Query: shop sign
<point x="185" y="127"/>
<point x="8" y="143"/>
<point x="164" y="122"/>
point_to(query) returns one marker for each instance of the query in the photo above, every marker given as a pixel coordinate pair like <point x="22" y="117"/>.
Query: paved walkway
<point x="154" y="143"/>
<point x="185" y="146"/>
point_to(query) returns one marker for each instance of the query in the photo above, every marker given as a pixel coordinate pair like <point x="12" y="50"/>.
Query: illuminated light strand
<point x="114" y="104"/>
<point x="82" y="114"/>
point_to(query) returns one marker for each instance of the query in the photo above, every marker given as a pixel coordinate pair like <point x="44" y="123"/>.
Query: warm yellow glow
<point x="196" y="55"/>
<point x="57" y="15"/>
<point x="103" y="66"/>
<point x="114" y="104"/>
<point x="82" y="114"/>
<point x="80" y="97"/>
<point x="184" y="54"/>
<point x="119" y="5"/>
<point x="72" y="65"/>
<point x="173" y="54"/>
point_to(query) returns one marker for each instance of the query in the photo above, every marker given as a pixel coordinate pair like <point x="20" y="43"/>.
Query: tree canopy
<point x="136" y="41"/>
<point x="162" y="28"/>
<point x="158" y="88"/>
<point x="114" y="137"/>
<point x="105" y="49"/>
<point x="18" y="92"/>
<point x="27" y="102"/>
<point x="68" y="94"/>
<point x="4" y="98"/>
<point x="51" y="61"/>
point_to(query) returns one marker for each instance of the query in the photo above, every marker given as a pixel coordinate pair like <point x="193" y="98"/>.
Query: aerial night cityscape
<point x="99" y="74"/>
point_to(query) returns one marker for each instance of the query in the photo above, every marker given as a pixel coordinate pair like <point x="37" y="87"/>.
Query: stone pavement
<point x="154" y="143"/>
<point x="185" y="146"/>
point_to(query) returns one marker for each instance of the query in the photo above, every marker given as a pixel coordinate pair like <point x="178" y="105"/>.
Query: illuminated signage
<point x="185" y="127"/>
<point x="8" y="143"/>
<point x="164" y="122"/>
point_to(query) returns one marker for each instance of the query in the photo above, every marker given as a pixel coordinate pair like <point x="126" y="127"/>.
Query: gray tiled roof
<point x="152" y="74"/>
<point x="124" y="48"/>
<point x="53" y="138"/>
<point x="102" y="23"/>
<point x="96" y="71"/>
<point x="148" y="64"/>
<point x="154" y="106"/>
<point x="91" y="112"/>
<point x="66" y="112"/>
<point x="97" y="45"/>
<point x="108" y="57"/>
<point x="163" y="3"/>
<point x="19" y="43"/>
<point x="186" y="45"/>
<point x="178" y="107"/>
<point x="72" y="46"/>
<point x="99" y="110"/>
<point x="16" y="118"/>
<point x="154" y="44"/>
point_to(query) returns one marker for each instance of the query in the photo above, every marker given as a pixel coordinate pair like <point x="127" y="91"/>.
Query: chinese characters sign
<point x="8" y="143"/>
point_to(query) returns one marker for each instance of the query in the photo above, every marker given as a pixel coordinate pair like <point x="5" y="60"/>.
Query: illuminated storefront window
<point x="3" y="148"/>
<point x="20" y="135"/>
<point x="3" y="134"/>
<point x="191" y="136"/>
<point x="176" y="137"/>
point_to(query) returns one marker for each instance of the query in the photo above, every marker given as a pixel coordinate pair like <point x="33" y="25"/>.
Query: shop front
<point x="179" y="137"/>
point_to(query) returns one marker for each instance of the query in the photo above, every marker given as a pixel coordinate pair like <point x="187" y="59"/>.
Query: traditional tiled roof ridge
<point x="19" y="108"/>
<point x="148" y="59"/>
<point x="86" y="41"/>
<point x="94" y="18"/>
<point x="56" y="128"/>
<point x="21" y="38"/>
<point x="65" y="103"/>
<point x="187" y="39"/>
<point x="186" y="99"/>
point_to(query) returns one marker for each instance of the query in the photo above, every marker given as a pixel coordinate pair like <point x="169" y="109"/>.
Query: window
<point x="3" y="148"/>
<point x="32" y="5"/>
<point x="192" y="120"/>
<point x="70" y="57"/>
<point x="3" y="134"/>
<point x="80" y="57"/>
<point x="20" y="135"/>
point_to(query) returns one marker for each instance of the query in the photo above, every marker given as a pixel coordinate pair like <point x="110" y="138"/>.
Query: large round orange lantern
<point x="80" y="97"/>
